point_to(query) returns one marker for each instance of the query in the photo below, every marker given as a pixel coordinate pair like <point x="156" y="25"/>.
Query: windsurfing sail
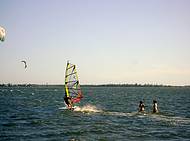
<point x="72" y="86"/>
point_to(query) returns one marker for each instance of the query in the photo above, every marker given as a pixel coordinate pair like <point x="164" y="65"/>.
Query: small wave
<point x="116" y="113"/>
<point x="9" y="124"/>
<point x="63" y="108"/>
<point x="158" y="117"/>
<point x="126" y="114"/>
<point x="172" y="120"/>
<point x="88" y="108"/>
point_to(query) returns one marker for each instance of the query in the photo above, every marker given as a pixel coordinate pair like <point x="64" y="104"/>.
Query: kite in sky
<point x="25" y="65"/>
<point x="2" y="34"/>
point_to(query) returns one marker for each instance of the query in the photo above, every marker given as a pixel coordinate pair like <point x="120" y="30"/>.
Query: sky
<point x="110" y="41"/>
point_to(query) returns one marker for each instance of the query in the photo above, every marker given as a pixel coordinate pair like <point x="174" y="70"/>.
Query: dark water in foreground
<point x="36" y="114"/>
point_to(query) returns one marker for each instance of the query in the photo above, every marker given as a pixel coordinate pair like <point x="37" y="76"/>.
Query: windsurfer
<point x="141" y="106"/>
<point x="68" y="102"/>
<point x="155" y="106"/>
<point x="73" y="92"/>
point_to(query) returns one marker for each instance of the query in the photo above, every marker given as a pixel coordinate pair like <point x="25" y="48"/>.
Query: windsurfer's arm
<point x="70" y="102"/>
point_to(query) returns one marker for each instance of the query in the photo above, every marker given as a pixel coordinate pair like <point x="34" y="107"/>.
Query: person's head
<point x="154" y="101"/>
<point x="141" y="102"/>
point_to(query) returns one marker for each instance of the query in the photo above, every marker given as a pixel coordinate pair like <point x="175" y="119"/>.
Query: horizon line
<point x="105" y="84"/>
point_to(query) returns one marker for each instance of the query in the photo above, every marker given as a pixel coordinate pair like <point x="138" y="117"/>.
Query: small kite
<point x="25" y="65"/>
<point x="2" y="34"/>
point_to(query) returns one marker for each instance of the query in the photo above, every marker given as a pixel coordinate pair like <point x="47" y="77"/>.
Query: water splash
<point x="88" y="108"/>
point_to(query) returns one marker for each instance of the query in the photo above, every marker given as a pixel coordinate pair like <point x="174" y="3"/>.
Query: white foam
<point x="63" y="108"/>
<point x="87" y="108"/>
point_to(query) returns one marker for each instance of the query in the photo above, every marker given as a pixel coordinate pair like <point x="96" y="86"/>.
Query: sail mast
<point x="66" y="80"/>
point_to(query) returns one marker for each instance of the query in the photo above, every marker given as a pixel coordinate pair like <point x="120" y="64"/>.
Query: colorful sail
<point x="72" y="86"/>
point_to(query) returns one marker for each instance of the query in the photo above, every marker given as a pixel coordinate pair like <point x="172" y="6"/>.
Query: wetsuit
<point x="141" y="107"/>
<point x="155" y="107"/>
<point x="67" y="100"/>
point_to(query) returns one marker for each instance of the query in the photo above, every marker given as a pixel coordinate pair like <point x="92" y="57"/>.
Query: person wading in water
<point x="141" y="106"/>
<point x="155" y="106"/>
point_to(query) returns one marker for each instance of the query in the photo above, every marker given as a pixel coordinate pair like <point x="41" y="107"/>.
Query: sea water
<point x="105" y="113"/>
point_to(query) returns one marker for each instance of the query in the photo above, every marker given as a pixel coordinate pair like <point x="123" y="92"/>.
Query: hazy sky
<point x="110" y="41"/>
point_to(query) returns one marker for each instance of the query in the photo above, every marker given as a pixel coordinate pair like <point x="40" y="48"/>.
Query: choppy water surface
<point x="105" y="113"/>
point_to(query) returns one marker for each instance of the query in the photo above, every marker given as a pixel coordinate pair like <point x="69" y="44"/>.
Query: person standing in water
<point x="141" y="106"/>
<point x="155" y="106"/>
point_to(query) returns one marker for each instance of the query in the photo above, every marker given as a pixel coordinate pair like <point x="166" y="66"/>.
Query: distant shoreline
<point x="90" y="85"/>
